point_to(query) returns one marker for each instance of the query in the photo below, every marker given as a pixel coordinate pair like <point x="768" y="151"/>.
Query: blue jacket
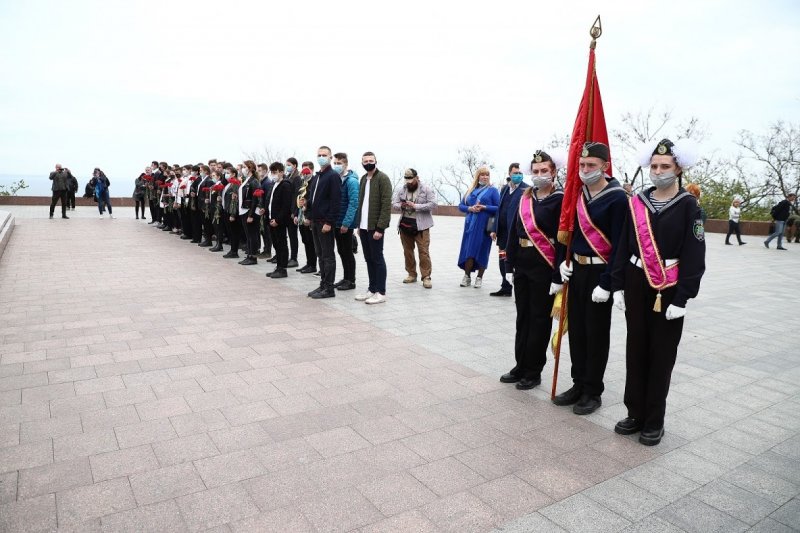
<point x="325" y="196"/>
<point x="349" y="202"/>
<point x="509" y="205"/>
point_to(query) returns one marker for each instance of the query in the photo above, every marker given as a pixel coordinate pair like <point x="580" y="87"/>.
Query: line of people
<point x="256" y="208"/>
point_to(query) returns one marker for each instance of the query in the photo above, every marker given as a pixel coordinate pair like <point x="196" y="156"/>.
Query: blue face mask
<point x="323" y="161"/>
<point x="516" y="179"/>
<point x="289" y="169"/>
<point x="338" y="168"/>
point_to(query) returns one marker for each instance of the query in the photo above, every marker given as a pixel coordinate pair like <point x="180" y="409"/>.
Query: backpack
<point x="774" y="211"/>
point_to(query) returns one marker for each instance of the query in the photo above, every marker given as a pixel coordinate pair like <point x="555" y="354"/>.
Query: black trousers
<point x="589" y="329"/>
<point x="323" y="244"/>
<point x="197" y="224"/>
<point x="251" y="232"/>
<point x="234" y="228"/>
<point x="59" y="195"/>
<point x="153" y="212"/>
<point x="291" y="230"/>
<point x="344" y="245"/>
<point x="650" y="350"/>
<point x="733" y="227"/>
<point x="534" y="324"/>
<point x="505" y="285"/>
<point x="267" y="236"/>
<point x="308" y="244"/>
<point x="139" y="203"/>
<point x="71" y="199"/>
<point x="278" y="235"/>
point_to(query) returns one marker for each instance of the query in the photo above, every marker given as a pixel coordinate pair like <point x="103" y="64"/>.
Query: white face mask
<point x="590" y="178"/>
<point x="663" y="181"/>
<point x="542" y="182"/>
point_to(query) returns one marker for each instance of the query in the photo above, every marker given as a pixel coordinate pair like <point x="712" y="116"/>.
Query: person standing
<point x="139" y="191"/>
<point x="60" y="178"/>
<point x="203" y="222"/>
<point x="480" y="203"/>
<point x="416" y="202"/>
<point x="293" y="176"/>
<point x="278" y="212"/>
<point x="72" y="191"/>
<point x="325" y="196"/>
<point x="373" y="217"/>
<point x="343" y="234"/>
<point x="780" y="213"/>
<point x="734" y="212"/>
<point x="101" y="185"/>
<point x="509" y="202"/>
<point x="267" y="183"/>
<point x="599" y="218"/>
<point x="302" y="219"/>
<point x="657" y="268"/>
<point x="247" y="213"/>
<point x="533" y="254"/>
<point x="230" y="206"/>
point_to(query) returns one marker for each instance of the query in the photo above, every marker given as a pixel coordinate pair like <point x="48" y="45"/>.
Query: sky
<point x="116" y="84"/>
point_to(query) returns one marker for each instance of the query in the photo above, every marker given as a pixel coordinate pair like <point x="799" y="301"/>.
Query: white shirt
<point x="364" y="222"/>
<point x="242" y="210"/>
<point x="272" y="195"/>
<point x="734" y="213"/>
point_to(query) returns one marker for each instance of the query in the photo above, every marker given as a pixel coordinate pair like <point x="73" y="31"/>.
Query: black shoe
<point x="137" y="218"/>
<point x="278" y="273"/>
<point x="628" y="426"/>
<point x="272" y="259"/>
<point x="346" y="285"/>
<point x="247" y="261"/>
<point x="741" y="243"/>
<point x="215" y="249"/>
<point x="195" y="241"/>
<point x="324" y="293"/>
<point x="509" y="378"/>
<point x="778" y="248"/>
<point x="587" y="405"/>
<point x="501" y="292"/>
<point x="152" y="222"/>
<point x="231" y="255"/>
<point x="308" y="269"/>
<point x="315" y="291"/>
<point x="528" y="383"/>
<point x="728" y="244"/>
<point x="568" y="397"/>
<point x="206" y="244"/>
<point x="318" y="274"/>
<point x="766" y="245"/>
<point x="65" y="216"/>
<point x="185" y="237"/>
<point x="292" y="263"/>
<point x="651" y="437"/>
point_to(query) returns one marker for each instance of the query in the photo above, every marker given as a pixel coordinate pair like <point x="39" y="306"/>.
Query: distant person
<point x="293" y="176"/>
<point x="480" y="203"/>
<point x="510" y="195"/>
<point x="101" y="184"/>
<point x="780" y="214"/>
<point x="416" y="201"/>
<point x="734" y="212"/>
<point x="325" y="198"/>
<point x="278" y="213"/>
<point x="793" y="228"/>
<point x="61" y="180"/>
<point x="302" y="220"/>
<point x="139" y="191"/>
<point x="374" y="216"/>
<point x="343" y="229"/>
<point x="72" y="191"/>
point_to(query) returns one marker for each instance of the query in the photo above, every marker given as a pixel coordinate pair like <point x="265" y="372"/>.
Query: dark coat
<point x="547" y="212"/>
<point x="509" y="205"/>
<point x="282" y="199"/>
<point x="326" y="196"/>
<point x="61" y="180"/>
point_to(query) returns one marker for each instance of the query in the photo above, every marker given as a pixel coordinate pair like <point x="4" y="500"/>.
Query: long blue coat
<point x="475" y="242"/>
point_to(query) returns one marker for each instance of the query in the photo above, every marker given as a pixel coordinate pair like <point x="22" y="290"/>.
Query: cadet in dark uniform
<point x="657" y="268"/>
<point x="599" y="219"/>
<point x="230" y="210"/>
<point x="203" y="220"/>
<point x="533" y="255"/>
<point x="251" y="220"/>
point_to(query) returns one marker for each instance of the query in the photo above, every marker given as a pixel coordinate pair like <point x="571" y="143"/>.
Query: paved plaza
<point x="149" y="385"/>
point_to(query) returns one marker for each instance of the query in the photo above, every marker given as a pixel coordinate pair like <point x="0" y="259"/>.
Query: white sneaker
<point x="364" y="297"/>
<point x="101" y="216"/>
<point x="111" y="216"/>
<point x="376" y="298"/>
<point x="465" y="281"/>
<point x="478" y="283"/>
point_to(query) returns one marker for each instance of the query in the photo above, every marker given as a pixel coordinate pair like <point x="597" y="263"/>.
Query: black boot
<point x="568" y="397"/>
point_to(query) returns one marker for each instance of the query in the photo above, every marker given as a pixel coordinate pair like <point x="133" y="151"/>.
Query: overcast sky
<point x="115" y="84"/>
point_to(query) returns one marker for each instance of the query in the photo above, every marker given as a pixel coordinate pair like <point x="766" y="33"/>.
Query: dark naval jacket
<point x="547" y="212"/>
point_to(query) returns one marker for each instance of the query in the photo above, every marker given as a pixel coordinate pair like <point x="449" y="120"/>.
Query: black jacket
<point x="679" y="234"/>
<point x="547" y="212"/>
<point x="246" y="190"/>
<point x="781" y="210"/>
<point x="282" y="199"/>
<point x="61" y="180"/>
<point x="325" y="197"/>
<point x="509" y="205"/>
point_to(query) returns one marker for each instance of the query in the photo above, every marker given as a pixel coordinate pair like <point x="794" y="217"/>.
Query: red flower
<point x="163" y="185"/>
<point x="192" y="178"/>
<point x="205" y="189"/>
<point x="159" y="183"/>
<point x="148" y="178"/>
<point x="218" y="187"/>
<point x="182" y="186"/>
<point x="234" y="181"/>
<point x="258" y="193"/>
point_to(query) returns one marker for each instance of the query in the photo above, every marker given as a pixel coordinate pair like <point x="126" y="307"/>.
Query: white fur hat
<point x="685" y="152"/>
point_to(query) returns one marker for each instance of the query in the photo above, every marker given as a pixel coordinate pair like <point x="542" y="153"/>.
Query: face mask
<point x="289" y="169"/>
<point x="323" y="161"/>
<point x="227" y="175"/>
<point x="338" y="168"/>
<point x="542" y="182"/>
<point x="663" y="181"/>
<point x="483" y="180"/>
<point x="516" y="179"/>
<point x="369" y="167"/>
<point x="590" y="178"/>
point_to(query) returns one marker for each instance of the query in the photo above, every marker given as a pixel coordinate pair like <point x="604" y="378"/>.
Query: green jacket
<point x="380" y="202"/>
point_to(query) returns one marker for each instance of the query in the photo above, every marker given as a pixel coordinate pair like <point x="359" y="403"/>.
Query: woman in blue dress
<point x="479" y="203"/>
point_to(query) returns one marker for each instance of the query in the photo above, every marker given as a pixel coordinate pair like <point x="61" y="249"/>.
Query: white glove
<point x="600" y="295"/>
<point x="555" y="288"/>
<point x="619" y="300"/>
<point x="566" y="271"/>
<point x="674" y="312"/>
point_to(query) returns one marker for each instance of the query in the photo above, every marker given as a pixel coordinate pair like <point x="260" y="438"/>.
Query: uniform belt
<point x="588" y="260"/>
<point x="526" y="243"/>
<point x="638" y="262"/>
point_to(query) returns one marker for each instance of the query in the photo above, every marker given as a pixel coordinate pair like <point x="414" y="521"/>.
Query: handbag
<point x="408" y="225"/>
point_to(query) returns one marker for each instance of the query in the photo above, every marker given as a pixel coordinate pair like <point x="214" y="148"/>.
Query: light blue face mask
<point x="338" y="168"/>
<point x="516" y="179"/>
<point x="289" y="169"/>
<point x="323" y="161"/>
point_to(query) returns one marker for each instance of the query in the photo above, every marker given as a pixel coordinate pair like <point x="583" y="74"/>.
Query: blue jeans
<point x="779" y="227"/>
<point x="103" y="198"/>
<point x="376" y="265"/>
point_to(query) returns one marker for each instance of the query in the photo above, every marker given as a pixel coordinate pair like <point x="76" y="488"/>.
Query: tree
<point x="268" y="155"/>
<point x="454" y="179"/>
<point x="11" y="190"/>
<point x="776" y="156"/>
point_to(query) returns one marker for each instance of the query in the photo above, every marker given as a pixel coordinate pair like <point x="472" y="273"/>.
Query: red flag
<point x="590" y="125"/>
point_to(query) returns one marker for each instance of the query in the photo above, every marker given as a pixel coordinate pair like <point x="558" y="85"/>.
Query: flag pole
<point x="595" y="32"/>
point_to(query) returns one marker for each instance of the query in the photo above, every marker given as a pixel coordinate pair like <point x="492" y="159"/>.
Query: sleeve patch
<point x="698" y="230"/>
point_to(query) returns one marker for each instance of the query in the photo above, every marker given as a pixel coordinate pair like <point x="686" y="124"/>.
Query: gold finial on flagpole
<point x="596" y="31"/>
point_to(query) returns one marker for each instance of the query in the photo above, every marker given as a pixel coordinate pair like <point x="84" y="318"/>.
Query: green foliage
<point x="717" y="196"/>
<point x="11" y="190"/>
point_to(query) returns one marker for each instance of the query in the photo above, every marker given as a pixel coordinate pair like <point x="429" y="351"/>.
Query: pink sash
<point x="596" y="238"/>
<point x="658" y="276"/>
<point x="535" y="234"/>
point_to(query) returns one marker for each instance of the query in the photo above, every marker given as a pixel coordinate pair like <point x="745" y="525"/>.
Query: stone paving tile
<point x="33" y="514"/>
<point x="94" y="501"/>
<point x="123" y="462"/>
<point x="159" y="517"/>
<point x="49" y="428"/>
<point x="54" y="477"/>
<point x="144" y="433"/>
<point x="694" y="516"/>
<point x="277" y="521"/>
<point x="397" y="493"/>
<point x="8" y="487"/>
<point x="579" y="513"/>
<point x="165" y="483"/>
<point x="461" y="511"/>
<point x="26" y="455"/>
<point x="340" y="511"/>
<point x="184" y="449"/>
<point x="511" y="497"/>
<point x="447" y="476"/>
<point x="218" y="506"/>
<point x="84" y="444"/>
